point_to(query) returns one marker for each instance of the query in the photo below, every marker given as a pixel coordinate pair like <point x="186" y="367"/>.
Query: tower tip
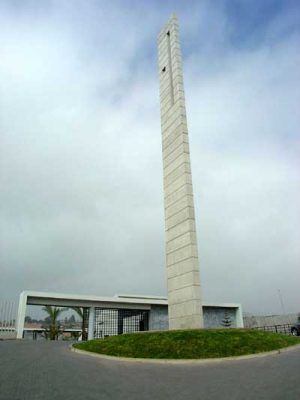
<point x="171" y="21"/>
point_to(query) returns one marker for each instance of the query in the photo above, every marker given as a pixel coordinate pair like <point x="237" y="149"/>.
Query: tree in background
<point x="52" y="327"/>
<point x="83" y="316"/>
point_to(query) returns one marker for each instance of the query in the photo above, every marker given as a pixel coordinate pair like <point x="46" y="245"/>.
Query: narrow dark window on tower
<point x="170" y="68"/>
<point x="164" y="69"/>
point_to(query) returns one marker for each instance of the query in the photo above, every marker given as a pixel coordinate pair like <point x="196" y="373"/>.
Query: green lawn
<point x="189" y="344"/>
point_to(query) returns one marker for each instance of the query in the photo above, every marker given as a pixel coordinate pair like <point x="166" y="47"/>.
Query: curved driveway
<point x="33" y="370"/>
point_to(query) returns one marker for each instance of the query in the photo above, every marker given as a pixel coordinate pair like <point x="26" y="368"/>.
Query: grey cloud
<point x="81" y="171"/>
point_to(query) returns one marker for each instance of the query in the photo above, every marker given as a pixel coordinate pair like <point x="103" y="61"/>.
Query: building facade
<point x="108" y="316"/>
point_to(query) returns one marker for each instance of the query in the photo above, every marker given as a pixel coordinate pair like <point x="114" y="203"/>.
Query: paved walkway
<point x="50" y="371"/>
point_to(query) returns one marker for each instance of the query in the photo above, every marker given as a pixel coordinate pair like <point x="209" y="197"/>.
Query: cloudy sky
<point x="81" y="204"/>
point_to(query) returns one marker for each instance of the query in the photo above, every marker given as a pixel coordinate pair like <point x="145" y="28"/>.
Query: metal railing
<point x="7" y="316"/>
<point x="284" y="329"/>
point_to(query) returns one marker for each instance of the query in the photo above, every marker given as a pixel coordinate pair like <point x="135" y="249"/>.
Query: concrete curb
<point x="184" y="361"/>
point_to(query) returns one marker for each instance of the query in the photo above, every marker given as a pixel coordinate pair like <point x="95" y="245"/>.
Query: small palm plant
<point x="83" y="315"/>
<point x="52" y="329"/>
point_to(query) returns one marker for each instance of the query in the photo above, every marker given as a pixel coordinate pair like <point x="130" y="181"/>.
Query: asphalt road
<point x="33" y="370"/>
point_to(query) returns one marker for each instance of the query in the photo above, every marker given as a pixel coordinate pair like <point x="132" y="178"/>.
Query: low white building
<point x="125" y="313"/>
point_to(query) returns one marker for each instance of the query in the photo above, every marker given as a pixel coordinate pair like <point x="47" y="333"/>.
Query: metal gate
<point x="113" y="321"/>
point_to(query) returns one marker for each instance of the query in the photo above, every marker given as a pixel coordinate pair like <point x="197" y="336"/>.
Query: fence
<point x="253" y="321"/>
<point x="7" y="316"/>
<point x="284" y="329"/>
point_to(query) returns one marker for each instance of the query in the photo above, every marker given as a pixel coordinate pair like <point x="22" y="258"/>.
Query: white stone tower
<point x="184" y="294"/>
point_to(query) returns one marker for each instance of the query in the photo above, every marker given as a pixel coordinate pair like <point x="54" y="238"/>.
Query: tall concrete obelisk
<point x="184" y="295"/>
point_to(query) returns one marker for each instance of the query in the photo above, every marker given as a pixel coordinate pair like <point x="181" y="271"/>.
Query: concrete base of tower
<point x="187" y="315"/>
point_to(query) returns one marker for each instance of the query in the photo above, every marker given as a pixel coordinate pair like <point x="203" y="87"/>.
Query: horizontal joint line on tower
<point x="170" y="161"/>
<point x="178" y="200"/>
<point x="179" y="112"/>
<point x="183" y="134"/>
<point x="178" y="262"/>
<point x="185" y="301"/>
<point x="162" y="115"/>
<point x="177" y="191"/>
<point x="186" y="284"/>
<point x="165" y="126"/>
<point x="198" y="299"/>
<point x="175" y="53"/>
<point x="177" y="212"/>
<point x="163" y="96"/>
<point x="178" y="236"/>
<point x="178" y="166"/>
<point x="172" y="183"/>
<point x="183" y="273"/>
<point x="176" y="122"/>
<point x="165" y="93"/>
<point x="195" y="269"/>
<point x="181" y="247"/>
<point x="176" y="290"/>
<point x="187" y="258"/>
<point x="186" y="206"/>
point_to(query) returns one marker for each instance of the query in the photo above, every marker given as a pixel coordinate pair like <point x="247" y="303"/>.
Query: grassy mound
<point x="189" y="344"/>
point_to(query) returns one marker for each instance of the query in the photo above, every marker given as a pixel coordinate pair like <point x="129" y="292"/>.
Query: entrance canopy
<point x="124" y="313"/>
<point x="128" y="302"/>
